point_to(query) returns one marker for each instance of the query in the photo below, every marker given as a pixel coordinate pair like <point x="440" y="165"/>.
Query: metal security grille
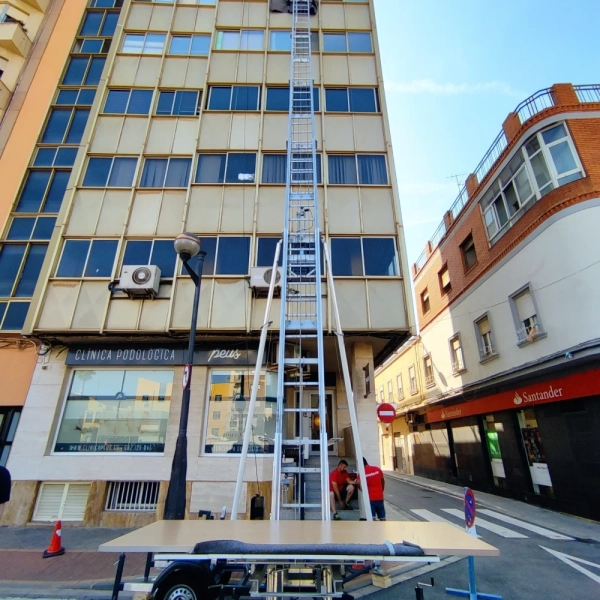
<point x="130" y="496"/>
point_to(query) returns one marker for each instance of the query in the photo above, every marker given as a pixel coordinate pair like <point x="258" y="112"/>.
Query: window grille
<point x="129" y="496"/>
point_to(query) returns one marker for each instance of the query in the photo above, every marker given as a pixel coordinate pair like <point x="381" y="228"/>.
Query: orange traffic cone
<point x="55" y="548"/>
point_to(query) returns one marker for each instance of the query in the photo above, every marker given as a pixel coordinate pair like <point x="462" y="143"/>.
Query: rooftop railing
<point x="525" y="110"/>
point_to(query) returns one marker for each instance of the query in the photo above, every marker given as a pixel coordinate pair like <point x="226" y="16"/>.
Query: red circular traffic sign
<point x="470" y="510"/>
<point x="386" y="413"/>
<point x="186" y="376"/>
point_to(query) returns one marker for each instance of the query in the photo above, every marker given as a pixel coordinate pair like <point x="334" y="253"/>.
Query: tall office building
<point x="155" y="118"/>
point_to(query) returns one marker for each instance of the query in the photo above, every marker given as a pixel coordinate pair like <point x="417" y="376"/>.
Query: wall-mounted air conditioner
<point x="140" y="281"/>
<point x="260" y="279"/>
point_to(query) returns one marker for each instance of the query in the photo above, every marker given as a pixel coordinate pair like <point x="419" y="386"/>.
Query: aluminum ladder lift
<point x="300" y="488"/>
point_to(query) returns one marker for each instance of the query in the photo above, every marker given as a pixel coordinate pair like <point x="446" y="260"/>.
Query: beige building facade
<point x="170" y="117"/>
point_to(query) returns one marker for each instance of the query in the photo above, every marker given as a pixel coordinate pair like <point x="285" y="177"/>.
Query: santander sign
<point x="549" y="393"/>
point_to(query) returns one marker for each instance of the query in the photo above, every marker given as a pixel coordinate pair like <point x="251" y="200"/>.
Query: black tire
<point x="186" y="586"/>
<point x="181" y="591"/>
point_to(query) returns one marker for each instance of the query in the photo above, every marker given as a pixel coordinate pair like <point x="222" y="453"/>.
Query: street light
<point x="187" y="245"/>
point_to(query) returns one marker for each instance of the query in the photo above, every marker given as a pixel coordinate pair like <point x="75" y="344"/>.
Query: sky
<point x="454" y="69"/>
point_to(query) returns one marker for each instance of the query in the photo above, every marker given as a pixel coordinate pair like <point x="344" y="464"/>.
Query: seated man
<point x="340" y="486"/>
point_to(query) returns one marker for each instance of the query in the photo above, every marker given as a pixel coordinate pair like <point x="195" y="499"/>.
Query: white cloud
<point x="428" y="86"/>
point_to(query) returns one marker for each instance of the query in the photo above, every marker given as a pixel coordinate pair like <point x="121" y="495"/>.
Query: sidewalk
<point x="570" y="525"/>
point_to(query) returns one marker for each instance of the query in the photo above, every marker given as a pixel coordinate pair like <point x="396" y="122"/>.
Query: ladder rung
<point x="300" y="383"/>
<point x="303" y="505"/>
<point x="300" y="409"/>
<point x="300" y="470"/>
<point x="300" y="361"/>
<point x="301" y="335"/>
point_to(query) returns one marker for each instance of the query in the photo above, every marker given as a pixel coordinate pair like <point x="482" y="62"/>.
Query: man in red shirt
<point x="340" y="485"/>
<point x="375" y="485"/>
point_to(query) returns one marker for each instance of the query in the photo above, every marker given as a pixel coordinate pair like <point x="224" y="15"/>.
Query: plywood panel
<point x="148" y="72"/>
<point x="174" y="72"/>
<point x="343" y="213"/>
<point x="205" y="209"/>
<point x="386" y="303"/>
<point x="223" y="66"/>
<point x="123" y="314"/>
<point x="214" y="131"/>
<point x="58" y="305"/>
<point x="238" y="208"/>
<point x="335" y="70"/>
<point x="229" y="304"/>
<point x="91" y="305"/>
<point x="195" y="76"/>
<point x="106" y="136"/>
<point x="244" y="132"/>
<point x="144" y="213"/>
<point x="377" y="210"/>
<point x="170" y="221"/>
<point x="368" y="131"/>
<point x="133" y="135"/>
<point x="184" y="296"/>
<point x="160" y="138"/>
<point x="154" y="315"/>
<point x="338" y="133"/>
<point x="275" y="132"/>
<point x="352" y="303"/>
<point x="271" y="209"/>
<point x="86" y="208"/>
<point x="124" y="70"/>
<point x="113" y="212"/>
<point x="363" y="70"/>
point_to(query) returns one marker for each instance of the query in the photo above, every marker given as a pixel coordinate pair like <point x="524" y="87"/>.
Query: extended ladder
<point x="301" y="473"/>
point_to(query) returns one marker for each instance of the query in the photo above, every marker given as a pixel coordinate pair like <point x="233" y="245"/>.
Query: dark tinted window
<point x="266" y="251"/>
<point x="244" y="98"/>
<point x="21" y="229"/>
<point x="336" y="100"/>
<point x="57" y="190"/>
<point x="380" y="256"/>
<point x="346" y="258"/>
<point x="75" y="71"/>
<point x="97" y="172"/>
<point x="110" y="23"/>
<point x="65" y="157"/>
<point x="116" y="102"/>
<point x="101" y="258"/>
<point x="363" y="100"/>
<point x="73" y="258"/>
<point x="43" y="228"/>
<point x="211" y="168"/>
<point x="139" y="103"/>
<point x="15" y="315"/>
<point x="233" y="255"/>
<point x="11" y="256"/>
<point x="220" y="98"/>
<point x="92" y="23"/>
<point x="240" y="168"/>
<point x="77" y="126"/>
<point x="31" y="270"/>
<point x="372" y="169"/>
<point x="137" y="253"/>
<point x="164" y="257"/>
<point x="93" y="76"/>
<point x="33" y="191"/>
<point x="208" y="245"/>
<point x="56" y="126"/>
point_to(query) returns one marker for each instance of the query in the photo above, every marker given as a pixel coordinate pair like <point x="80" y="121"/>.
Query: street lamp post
<point x="187" y="246"/>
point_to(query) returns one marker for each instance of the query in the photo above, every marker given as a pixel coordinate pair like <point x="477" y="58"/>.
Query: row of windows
<point x="351" y="257"/>
<point x="12" y="315"/>
<point x="231" y="167"/>
<point x="239" y="39"/>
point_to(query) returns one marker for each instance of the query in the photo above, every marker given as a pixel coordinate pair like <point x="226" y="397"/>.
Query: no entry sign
<point x="386" y="413"/>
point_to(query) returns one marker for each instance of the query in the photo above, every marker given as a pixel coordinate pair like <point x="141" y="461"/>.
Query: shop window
<point x="43" y="191"/>
<point x="412" y="380"/>
<point x="351" y="41"/>
<point x="87" y="258"/>
<point x="110" y="172"/>
<point x="485" y="342"/>
<point x="20" y="266"/>
<point x="140" y="43"/>
<point x="353" y="169"/>
<point x="152" y="252"/>
<point x="166" y="172"/>
<point x="116" y="411"/>
<point x="178" y="103"/>
<point x="226" y="168"/>
<point x="457" y="358"/>
<point x="274" y="168"/>
<point x="190" y="45"/>
<point x="359" y="257"/>
<point x="224" y="435"/>
<point x="428" y="371"/>
<point x="237" y="97"/>
<point x="467" y="249"/>
<point x="357" y="100"/>
<point x="278" y="99"/>
<point x="246" y="39"/>
<point x="128" y="102"/>
<point x="534" y="451"/>
<point x="526" y="316"/>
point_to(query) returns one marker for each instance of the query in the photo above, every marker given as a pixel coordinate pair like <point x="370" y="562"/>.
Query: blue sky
<point x="454" y="69"/>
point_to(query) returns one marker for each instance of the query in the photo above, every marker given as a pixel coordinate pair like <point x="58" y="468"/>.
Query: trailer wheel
<point x="183" y="585"/>
<point x="182" y="591"/>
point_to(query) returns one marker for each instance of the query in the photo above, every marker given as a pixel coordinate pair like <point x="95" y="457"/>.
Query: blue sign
<point x="469" y="507"/>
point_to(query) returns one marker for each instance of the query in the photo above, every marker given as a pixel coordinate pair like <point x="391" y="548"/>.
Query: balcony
<point x="14" y="39"/>
<point x="5" y="95"/>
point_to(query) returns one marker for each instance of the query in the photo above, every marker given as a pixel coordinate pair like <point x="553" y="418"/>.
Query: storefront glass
<point x="534" y="450"/>
<point x="492" y="429"/>
<point x="116" y="411"/>
<point x="229" y="397"/>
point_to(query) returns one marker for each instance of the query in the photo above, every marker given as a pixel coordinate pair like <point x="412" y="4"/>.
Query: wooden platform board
<point x="436" y="539"/>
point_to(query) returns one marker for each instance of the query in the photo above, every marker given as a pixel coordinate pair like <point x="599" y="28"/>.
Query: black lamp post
<point x="187" y="245"/>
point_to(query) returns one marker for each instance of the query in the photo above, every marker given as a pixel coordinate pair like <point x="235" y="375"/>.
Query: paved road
<point x="543" y="554"/>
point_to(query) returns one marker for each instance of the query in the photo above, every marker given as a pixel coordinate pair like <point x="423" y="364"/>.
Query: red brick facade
<point x="585" y="134"/>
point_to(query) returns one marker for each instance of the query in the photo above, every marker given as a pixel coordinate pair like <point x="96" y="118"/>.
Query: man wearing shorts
<point x="340" y="486"/>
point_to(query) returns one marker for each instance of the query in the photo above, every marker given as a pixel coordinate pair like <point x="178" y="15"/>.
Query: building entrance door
<point x="311" y="422"/>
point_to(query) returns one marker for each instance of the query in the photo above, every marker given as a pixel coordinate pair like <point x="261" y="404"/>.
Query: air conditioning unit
<point x="140" y="281"/>
<point x="260" y="279"/>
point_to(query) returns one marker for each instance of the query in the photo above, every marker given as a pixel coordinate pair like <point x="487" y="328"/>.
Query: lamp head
<point x="187" y="245"/>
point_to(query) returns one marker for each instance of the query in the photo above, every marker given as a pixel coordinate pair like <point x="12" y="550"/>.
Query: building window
<point x="84" y="70"/>
<point x="20" y="266"/>
<point x="91" y="46"/>
<point x="55" y="157"/>
<point x="381" y="394"/>
<point x="143" y="43"/>
<point x="99" y="24"/>
<point x="64" y="501"/>
<point x="110" y="172"/>
<point x="31" y="228"/>
<point x="226" y="168"/>
<point x="152" y="252"/>
<point x="425" y="304"/>
<point x="281" y="41"/>
<point x="178" y="103"/>
<point x="357" y="100"/>
<point x="43" y="191"/>
<point x="225" y="255"/>
<point x="9" y="419"/>
<point x="166" y="172"/>
<point x="116" y="411"/>
<point x="428" y="371"/>
<point x="265" y="253"/>
<point x="526" y="316"/>
<point x="483" y="334"/>
<point x="87" y="258"/>
<point x="456" y="354"/>
<point x="234" y="387"/>
<point x="65" y="126"/>
<point x="546" y="161"/>
<point x="353" y="169"/>
<point x="351" y="41"/>
<point x="132" y="496"/>
<point x="376" y="396"/>
<point x="390" y="391"/>
<point x="412" y="379"/>
<point x="360" y="257"/>
<point x="444" y="279"/>
<point x="237" y="97"/>
<point x="245" y="39"/>
<point x="128" y="102"/>
<point x="399" y="387"/>
<point x="274" y="167"/>
<point x="278" y="99"/>
<point x="12" y="315"/>
<point x="469" y="255"/>
<point x="81" y="97"/>
<point x="216" y="415"/>
<point x="190" y="45"/>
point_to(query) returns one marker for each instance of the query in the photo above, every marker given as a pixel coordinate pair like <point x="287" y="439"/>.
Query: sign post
<point x="471" y="593"/>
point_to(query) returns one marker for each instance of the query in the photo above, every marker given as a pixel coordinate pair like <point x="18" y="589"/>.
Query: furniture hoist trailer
<point x="299" y="552"/>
